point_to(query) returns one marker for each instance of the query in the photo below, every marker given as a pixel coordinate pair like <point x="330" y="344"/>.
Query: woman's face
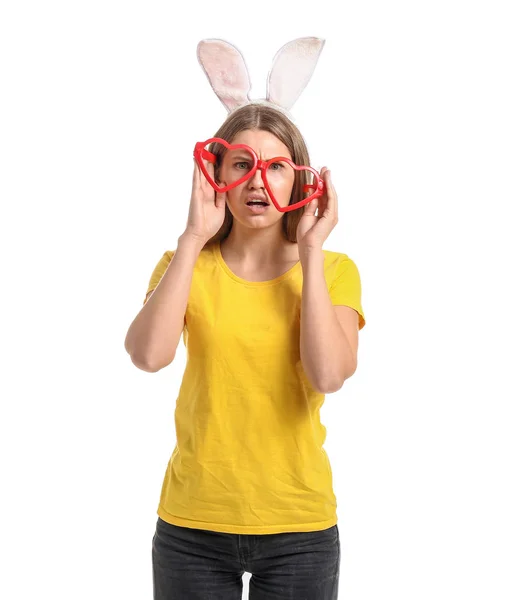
<point x="280" y="177"/>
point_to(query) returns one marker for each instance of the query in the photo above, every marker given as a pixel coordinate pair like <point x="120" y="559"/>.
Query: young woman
<point x="270" y="322"/>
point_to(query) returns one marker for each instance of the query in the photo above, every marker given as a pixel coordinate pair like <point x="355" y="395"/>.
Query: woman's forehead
<point x="265" y="144"/>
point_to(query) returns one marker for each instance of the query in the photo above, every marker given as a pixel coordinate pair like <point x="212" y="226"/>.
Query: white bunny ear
<point x="226" y="71"/>
<point x="292" y="68"/>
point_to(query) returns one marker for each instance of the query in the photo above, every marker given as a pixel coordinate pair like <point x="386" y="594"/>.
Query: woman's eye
<point x="241" y="165"/>
<point x="278" y="165"/>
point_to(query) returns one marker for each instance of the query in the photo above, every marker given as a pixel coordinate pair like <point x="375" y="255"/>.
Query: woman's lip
<point x="257" y="208"/>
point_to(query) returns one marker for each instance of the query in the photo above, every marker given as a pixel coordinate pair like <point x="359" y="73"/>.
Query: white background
<point x="101" y="104"/>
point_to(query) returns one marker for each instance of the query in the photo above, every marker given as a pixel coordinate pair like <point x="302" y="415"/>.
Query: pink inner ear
<point x="226" y="71"/>
<point x="292" y="69"/>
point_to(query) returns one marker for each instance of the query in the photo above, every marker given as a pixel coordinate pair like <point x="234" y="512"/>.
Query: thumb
<point x="220" y="197"/>
<point x="310" y="207"/>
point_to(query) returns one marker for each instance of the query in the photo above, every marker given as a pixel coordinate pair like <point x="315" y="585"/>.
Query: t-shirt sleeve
<point x="159" y="271"/>
<point x="346" y="288"/>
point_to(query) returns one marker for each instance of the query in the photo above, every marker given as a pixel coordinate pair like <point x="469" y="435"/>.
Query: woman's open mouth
<point x="257" y="207"/>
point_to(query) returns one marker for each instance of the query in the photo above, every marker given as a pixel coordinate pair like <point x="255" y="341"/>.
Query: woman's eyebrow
<point x="242" y="156"/>
<point x="239" y="154"/>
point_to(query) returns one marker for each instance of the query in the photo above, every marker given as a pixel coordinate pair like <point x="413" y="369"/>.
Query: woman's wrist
<point x="191" y="239"/>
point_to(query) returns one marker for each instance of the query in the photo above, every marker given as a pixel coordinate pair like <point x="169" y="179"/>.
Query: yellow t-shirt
<point x="248" y="457"/>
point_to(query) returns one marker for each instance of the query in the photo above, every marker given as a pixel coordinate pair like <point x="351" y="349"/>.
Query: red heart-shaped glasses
<point x="201" y="153"/>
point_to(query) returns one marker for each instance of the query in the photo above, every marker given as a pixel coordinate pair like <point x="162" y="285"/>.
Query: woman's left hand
<point x="313" y="230"/>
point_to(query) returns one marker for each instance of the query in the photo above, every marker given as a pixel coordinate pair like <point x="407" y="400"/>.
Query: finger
<point x="220" y="197"/>
<point x="310" y="207"/>
<point x="221" y="184"/>
<point x="200" y="176"/>
<point x="322" y="204"/>
<point x="322" y="199"/>
<point x="196" y="174"/>
<point x="332" y="195"/>
<point x="210" y="168"/>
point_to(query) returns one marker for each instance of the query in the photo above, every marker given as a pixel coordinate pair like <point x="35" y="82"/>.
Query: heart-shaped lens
<point x="280" y="170"/>
<point x="238" y="161"/>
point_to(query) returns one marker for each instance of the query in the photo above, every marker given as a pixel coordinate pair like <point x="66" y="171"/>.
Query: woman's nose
<point x="256" y="180"/>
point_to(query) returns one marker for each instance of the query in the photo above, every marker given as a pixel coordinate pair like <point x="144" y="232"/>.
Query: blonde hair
<point x="264" y="118"/>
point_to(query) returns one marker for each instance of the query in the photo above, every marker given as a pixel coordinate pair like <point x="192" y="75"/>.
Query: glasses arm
<point x="200" y="148"/>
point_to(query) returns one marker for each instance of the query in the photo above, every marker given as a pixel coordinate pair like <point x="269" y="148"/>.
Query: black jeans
<point x="197" y="564"/>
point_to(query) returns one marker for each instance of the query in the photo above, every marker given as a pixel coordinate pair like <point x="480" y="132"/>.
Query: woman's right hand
<point x="207" y="207"/>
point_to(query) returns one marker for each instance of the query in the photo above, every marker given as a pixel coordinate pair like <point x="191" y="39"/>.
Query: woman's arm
<point x="326" y="352"/>
<point x="154" y="334"/>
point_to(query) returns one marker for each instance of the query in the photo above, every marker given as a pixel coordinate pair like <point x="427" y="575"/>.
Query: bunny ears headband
<point x="291" y="70"/>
